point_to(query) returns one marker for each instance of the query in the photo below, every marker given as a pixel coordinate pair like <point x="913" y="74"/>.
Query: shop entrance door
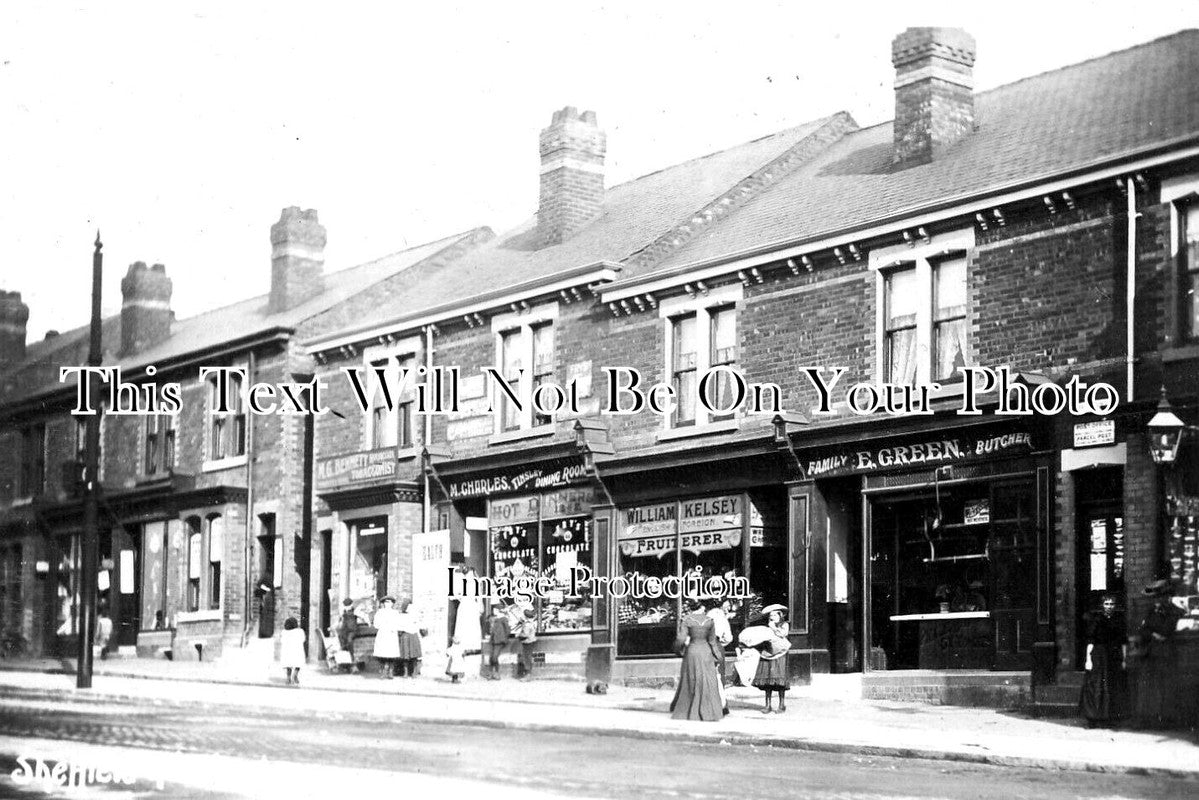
<point x="1013" y="552"/>
<point x="1099" y="545"/>
<point x="125" y="591"/>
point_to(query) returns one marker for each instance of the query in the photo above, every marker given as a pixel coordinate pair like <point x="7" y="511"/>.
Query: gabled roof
<point x="1047" y="125"/>
<point x="635" y="215"/>
<point x="245" y="319"/>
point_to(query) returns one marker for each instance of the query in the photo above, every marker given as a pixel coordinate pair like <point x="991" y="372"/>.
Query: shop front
<point x="375" y="508"/>
<point x="707" y="520"/>
<point x="719" y="545"/>
<point x="520" y="522"/>
<point x="939" y="551"/>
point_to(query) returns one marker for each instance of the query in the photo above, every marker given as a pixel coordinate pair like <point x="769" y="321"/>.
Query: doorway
<point x="125" y="592"/>
<point x="1099" y="519"/>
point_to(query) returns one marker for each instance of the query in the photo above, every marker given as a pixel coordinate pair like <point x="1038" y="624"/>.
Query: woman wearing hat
<point x="772" y="668"/>
<point x="387" y="636"/>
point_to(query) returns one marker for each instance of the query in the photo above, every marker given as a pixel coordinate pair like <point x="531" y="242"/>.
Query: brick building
<point x="1041" y="226"/>
<point x="204" y="531"/>
<point x="1008" y="228"/>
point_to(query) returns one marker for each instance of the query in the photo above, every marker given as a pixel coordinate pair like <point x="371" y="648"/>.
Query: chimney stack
<point x="13" y="316"/>
<point x="297" y="258"/>
<point x="934" y="91"/>
<point x="572" y="174"/>
<point x="145" y="307"/>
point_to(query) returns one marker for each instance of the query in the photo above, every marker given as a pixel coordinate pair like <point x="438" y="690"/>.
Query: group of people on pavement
<point x="703" y="634"/>
<point x="397" y="645"/>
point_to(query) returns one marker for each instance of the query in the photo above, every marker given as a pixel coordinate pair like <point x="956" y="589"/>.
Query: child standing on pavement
<point x="455" y="660"/>
<point x="501" y="634"/>
<point x="291" y="651"/>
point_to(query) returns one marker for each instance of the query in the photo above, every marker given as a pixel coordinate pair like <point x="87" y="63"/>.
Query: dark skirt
<point x="698" y="693"/>
<point x="1104" y="690"/>
<point x="772" y="674"/>
<point x="409" y="646"/>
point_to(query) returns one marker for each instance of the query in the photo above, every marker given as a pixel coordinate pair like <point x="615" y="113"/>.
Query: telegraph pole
<point x="90" y="550"/>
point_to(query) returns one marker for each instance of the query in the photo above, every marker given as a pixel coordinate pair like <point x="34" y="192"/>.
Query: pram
<point x="337" y="659"/>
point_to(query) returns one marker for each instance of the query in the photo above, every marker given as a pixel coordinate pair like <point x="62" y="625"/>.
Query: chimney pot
<point x="145" y="307"/>
<point x="572" y="174"/>
<point x="14" y="315"/>
<point x="297" y="258"/>
<point x="934" y="91"/>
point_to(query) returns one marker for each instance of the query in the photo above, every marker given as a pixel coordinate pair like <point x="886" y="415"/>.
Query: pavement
<point x="812" y="722"/>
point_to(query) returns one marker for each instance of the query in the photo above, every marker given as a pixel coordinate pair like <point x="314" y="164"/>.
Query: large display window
<point x="368" y="563"/>
<point x="545" y="535"/>
<point x="950" y="569"/>
<point x="729" y="536"/>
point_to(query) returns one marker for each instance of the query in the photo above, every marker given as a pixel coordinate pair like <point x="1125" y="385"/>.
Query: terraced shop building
<point x="204" y="534"/>
<point x="1039" y="226"/>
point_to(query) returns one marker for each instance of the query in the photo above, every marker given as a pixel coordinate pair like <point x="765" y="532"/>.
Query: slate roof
<point x="38" y="372"/>
<point x="1027" y="131"/>
<point x="634" y="215"/>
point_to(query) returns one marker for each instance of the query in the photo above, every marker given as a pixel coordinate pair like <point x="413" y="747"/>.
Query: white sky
<point x="181" y="130"/>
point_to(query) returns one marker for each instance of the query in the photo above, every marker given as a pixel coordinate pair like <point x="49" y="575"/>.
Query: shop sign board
<point x="709" y="523"/>
<point x="916" y="455"/>
<point x="1095" y="434"/>
<point x="571" y="502"/>
<point x="552" y="475"/>
<point x="356" y="469"/>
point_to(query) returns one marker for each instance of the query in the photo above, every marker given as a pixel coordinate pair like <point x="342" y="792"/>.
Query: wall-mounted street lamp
<point x="1165" y="432"/>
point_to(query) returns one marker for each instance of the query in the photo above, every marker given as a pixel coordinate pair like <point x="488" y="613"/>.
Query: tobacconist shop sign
<point x="551" y="475"/>
<point x="919" y="454"/>
<point x="356" y="469"/>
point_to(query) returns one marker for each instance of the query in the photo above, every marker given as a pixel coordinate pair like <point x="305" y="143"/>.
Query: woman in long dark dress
<point x="1103" y="690"/>
<point x="698" y="694"/>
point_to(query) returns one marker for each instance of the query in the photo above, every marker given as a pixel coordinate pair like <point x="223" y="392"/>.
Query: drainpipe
<point x="427" y="428"/>
<point x="1130" y="301"/>
<point x="249" y="532"/>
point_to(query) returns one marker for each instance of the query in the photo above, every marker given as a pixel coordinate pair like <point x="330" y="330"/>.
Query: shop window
<point x="697" y="539"/>
<point x="227" y="429"/>
<point x="368" y="566"/>
<point x="1188" y="269"/>
<point x="950" y="570"/>
<point x="545" y="536"/>
<point x="216" y="549"/>
<point x="11" y="565"/>
<point x="32" y="473"/>
<point x="160" y="443"/>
